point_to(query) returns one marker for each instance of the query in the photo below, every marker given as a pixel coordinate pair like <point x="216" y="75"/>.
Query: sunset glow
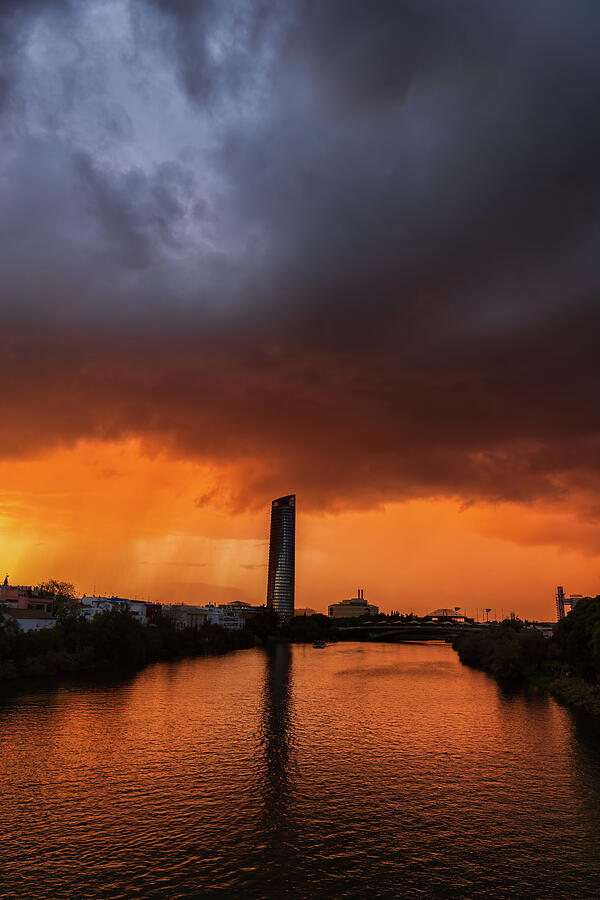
<point x="116" y="519"/>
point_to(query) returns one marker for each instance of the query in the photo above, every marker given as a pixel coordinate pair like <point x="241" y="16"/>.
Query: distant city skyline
<point x="390" y="550"/>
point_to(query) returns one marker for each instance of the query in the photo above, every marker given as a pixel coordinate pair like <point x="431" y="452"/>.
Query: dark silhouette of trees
<point x="514" y="651"/>
<point x="577" y="639"/>
<point x="63" y="595"/>
<point x="113" y="640"/>
<point x="510" y="651"/>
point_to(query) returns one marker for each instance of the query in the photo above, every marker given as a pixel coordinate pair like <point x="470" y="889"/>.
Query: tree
<point x="264" y="623"/>
<point x="577" y="639"/>
<point x="9" y="631"/>
<point x="66" y="604"/>
<point x="303" y="629"/>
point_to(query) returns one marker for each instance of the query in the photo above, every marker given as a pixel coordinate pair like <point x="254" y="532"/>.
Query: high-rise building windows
<point x="282" y="547"/>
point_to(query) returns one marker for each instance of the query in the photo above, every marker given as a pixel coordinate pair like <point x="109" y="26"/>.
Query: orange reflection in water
<point x="301" y="772"/>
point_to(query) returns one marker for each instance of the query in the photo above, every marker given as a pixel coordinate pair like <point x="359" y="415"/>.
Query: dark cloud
<point x="17" y="19"/>
<point x="367" y="56"/>
<point x="215" y="46"/>
<point x="349" y="247"/>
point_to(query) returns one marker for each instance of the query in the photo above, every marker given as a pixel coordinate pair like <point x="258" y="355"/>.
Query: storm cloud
<point x="349" y="247"/>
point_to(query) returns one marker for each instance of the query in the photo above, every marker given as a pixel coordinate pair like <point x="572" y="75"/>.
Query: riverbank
<point x="577" y="694"/>
<point x="567" y="664"/>
<point x="113" y="641"/>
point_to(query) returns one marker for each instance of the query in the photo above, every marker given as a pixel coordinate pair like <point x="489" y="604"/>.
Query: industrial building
<point x="353" y="608"/>
<point x="561" y="602"/>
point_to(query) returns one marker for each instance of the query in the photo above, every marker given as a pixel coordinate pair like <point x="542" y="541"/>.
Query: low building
<point x="90" y="606"/>
<point x="184" y="616"/>
<point x="243" y="611"/>
<point x="29" y="619"/>
<point x="234" y="619"/>
<point x="15" y="595"/>
<point x="306" y="611"/>
<point x="20" y="596"/>
<point x="188" y="616"/>
<point x="353" y="608"/>
<point x="231" y="617"/>
<point x="153" y="612"/>
<point x="137" y="608"/>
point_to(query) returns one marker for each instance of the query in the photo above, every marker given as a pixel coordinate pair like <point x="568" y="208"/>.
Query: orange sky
<point x="115" y="519"/>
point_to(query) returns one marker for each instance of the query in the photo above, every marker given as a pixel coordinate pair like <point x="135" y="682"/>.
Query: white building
<point x="138" y="608"/>
<point x="187" y="616"/>
<point x="30" y="619"/>
<point x="92" y="605"/>
<point x="233" y="619"/>
<point x="182" y="615"/>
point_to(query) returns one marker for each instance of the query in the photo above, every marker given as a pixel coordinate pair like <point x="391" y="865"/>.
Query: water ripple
<point x="379" y="770"/>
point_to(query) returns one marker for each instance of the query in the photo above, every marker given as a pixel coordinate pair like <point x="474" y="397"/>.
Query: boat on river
<point x="319" y="645"/>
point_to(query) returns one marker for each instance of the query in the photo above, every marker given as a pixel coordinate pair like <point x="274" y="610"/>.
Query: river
<point x="381" y="770"/>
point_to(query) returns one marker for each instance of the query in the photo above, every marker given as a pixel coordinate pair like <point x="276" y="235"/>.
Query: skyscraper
<point x="282" y="556"/>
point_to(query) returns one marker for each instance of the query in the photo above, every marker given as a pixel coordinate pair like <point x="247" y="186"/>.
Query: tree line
<point x="568" y="663"/>
<point x="113" y="640"/>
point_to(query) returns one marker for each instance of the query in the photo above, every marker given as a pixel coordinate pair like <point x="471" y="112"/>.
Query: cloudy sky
<point x="345" y="249"/>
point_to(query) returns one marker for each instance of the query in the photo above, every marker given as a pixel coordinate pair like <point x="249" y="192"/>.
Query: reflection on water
<point x="277" y="739"/>
<point x="380" y="770"/>
<point x="277" y="836"/>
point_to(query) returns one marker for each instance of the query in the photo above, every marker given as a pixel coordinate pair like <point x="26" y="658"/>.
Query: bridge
<point x="406" y="631"/>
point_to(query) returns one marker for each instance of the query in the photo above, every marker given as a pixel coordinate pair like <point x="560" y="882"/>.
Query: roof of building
<point x="352" y="601"/>
<point x="27" y="613"/>
<point x="288" y="500"/>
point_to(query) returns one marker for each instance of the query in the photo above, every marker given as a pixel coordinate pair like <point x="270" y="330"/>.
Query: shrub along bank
<point x="112" y="640"/>
<point x="115" y="641"/>
<point x="567" y="664"/>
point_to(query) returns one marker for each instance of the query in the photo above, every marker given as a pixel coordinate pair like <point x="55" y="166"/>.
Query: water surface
<point x="363" y="769"/>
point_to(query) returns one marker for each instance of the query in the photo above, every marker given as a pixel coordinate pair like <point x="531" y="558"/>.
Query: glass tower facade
<point x="282" y="556"/>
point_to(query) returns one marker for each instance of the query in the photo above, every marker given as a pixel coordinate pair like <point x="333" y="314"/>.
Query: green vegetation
<point x="63" y="595"/>
<point x="568" y="663"/>
<point x="577" y="640"/>
<point x="509" y="651"/>
<point x="266" y="627"/>
<point x="306" y="629"/>
<point x="115" y="640"/>
<point x="577" y="693"/>
<point x="112" y="640"/>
